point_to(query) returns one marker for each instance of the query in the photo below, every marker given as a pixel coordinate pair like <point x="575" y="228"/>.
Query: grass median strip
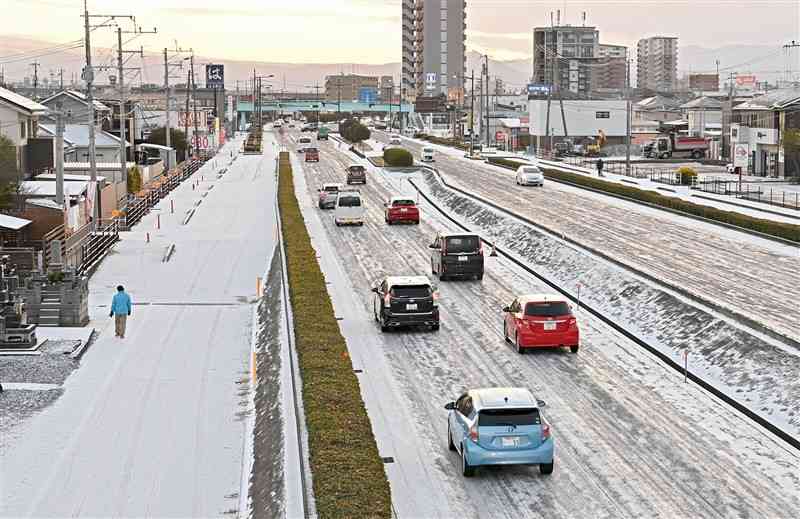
<point x="786" y="231"/>
<point x="349" y="478"/>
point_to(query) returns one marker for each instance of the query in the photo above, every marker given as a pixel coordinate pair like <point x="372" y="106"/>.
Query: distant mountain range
<point x="766" y="62"/>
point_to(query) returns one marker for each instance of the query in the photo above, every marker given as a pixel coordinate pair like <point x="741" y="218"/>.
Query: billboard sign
<point x="539" y="89"/>
<point x="367" y="95"/>
<point x="748" y="81"/>
<point x="741" y="156"/>
<point x="215" y="76"/>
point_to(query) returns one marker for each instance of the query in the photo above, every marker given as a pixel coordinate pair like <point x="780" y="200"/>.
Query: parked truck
<point x="322" y="133"/>
<point x="670" y="145"/>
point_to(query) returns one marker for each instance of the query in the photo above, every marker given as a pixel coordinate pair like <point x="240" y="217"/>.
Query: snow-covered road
<point x="632" y="439"/>
<point x="750" y="276"/>
<point x="152" y="425"/>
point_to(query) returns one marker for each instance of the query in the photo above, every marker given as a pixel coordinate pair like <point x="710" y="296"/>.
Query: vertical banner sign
<point x="215" y="76"/>
<point x="229" y="115"/>
<point x="741" y="156"/>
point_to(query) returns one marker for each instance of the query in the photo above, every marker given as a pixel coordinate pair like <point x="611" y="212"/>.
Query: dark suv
<point x="405" y="301"/>
<point x="356" y="173"/>
<point x="457" y="255"/>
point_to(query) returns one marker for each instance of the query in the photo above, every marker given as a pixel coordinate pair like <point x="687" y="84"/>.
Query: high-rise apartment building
<point x="612" y="68"/>
<point x="434" y="50"/>
<point x="657" y="63"/>
<point x="565" y="57"/>
<point x="351" y="87"/>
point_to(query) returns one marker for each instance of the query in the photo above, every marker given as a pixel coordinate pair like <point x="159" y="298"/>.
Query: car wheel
<point x="480" y="276"/>
<point x="450" y="444"/>
<point x="505" y="332"/>
<point x="442" y="276"/>
<point x="384" y="327"/>
<point x="338" y="224"/>
<point x="466" y="469"/>
<point x="520" y="349"/>
<point x="433" y="270"/>
<point x="435" y="327"/>
<point x="361" y="224"/>
<point x="546" y="468"/>
<point x="574" y="349"/>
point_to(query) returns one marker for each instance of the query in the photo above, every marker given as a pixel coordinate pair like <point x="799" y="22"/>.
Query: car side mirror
<point x="541" y="403"/>
<point x="506" y="309"/>
<point x="450" y="406"/>
<point x="433" y="246"/>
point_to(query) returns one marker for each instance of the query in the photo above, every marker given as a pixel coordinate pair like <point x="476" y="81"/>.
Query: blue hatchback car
<point x="499" y="426"/>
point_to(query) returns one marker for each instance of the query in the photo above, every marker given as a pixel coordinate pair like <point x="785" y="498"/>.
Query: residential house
<point x="704" y="119"/>
<point x="75" y="107"/>
<point x="657" y="108"/>
<point x="76" y="143"/>
<point x="19" y="119"/>
<point x="766" y="127"/>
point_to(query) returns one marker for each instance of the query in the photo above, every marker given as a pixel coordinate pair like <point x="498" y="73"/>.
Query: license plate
<point x="511" y="441"/>
<point x="463" y="258"/>
<point x="549" y="325"/>
<point x="411" y="307"/>
<point x="404" y="210"/>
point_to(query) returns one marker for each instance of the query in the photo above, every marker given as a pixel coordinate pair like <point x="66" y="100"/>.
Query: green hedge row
<point x="455" y="143"/>
<point x="781" y="230"/>
<point x="349" y="478"/>
<point x="397" y="157"/>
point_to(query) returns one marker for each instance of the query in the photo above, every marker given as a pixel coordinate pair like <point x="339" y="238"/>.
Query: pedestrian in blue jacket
<point x="120" y="310"/>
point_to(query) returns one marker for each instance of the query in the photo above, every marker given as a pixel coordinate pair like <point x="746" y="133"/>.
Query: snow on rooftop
<point x="12" y="222"/>
<point x="48" y="188"/>
<point x="28" y="105"/>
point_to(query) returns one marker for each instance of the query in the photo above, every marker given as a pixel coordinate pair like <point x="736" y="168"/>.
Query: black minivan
<point x="457" y="256"/>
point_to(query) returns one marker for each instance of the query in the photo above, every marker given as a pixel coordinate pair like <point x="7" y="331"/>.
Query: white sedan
<point x="530" y="176"/>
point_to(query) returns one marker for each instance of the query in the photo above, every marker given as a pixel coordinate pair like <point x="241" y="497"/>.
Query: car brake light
<point x="572" y="323"/>
<point x="436" y="298"/>
<point x="473" y="432"/>
<point x="545" y="431"/>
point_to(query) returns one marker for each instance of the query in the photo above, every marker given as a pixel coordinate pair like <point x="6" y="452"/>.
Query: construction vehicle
<point x="593" y="149"/>
<point x="670" y="145"/>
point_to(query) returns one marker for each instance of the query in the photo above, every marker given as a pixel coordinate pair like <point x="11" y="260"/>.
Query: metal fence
<point x="754" y="191"/>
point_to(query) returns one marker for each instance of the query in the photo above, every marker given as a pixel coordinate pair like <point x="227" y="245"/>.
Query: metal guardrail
<point x="753" y="191"/>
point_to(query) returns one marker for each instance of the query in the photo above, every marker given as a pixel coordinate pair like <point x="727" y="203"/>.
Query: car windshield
<point x="411" y="291"/>
<point x="402" y="203"/>
<point x="456" y="244"/>
<point x="349" y="201"/>
<point x="508" y="417"/>
<point x="547" y="309"/>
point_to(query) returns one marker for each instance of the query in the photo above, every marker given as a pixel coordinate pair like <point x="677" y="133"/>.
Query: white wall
<point x="581" y="116"/>
<point x="9" y="125"/>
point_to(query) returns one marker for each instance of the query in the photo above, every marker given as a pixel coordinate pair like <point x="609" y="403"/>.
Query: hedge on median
<point x="781" y="230"/>
<point x="397" y="157"/>
<point x="349" y="478"/>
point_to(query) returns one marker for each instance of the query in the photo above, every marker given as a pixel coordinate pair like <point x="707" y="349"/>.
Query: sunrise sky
<point x="368" y="31"/>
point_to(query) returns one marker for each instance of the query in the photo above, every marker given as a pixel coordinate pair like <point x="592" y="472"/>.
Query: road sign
<point x="538" y="89"/>
<point x="741" y="155"/>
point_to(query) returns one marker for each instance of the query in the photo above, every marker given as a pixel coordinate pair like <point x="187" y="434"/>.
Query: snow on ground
<point x="632" y="439"/>
<point x="152" y="425"/>
<point x="733" y="271"/>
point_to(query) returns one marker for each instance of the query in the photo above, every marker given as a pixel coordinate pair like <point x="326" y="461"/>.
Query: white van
<point x="427" y="154"/>
<point x="349" y="209"/>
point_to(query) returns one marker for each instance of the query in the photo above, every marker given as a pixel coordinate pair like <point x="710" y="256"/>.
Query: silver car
<point x="530" y="176"/>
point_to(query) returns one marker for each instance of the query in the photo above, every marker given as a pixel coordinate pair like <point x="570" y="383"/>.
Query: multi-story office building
<point x="612" y="68"/>
<point x="657" y="63"/>
<point x="434" y="50"/>
<point x="566" y="57"/>
<point x="351" y="87"/>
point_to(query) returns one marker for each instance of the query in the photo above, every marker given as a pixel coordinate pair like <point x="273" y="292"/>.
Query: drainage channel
<point x="775" y="430"/>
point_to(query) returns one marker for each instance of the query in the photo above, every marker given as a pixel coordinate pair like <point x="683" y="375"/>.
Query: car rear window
<point x="457" y="244"/>
<point x="312" y="150"/>
<point x="402" y="203"/>
<point x="531" y="170"/>
<point x="547" y="309"/>
<point x="356" y="169"/>
<point x="332" y="189"/>
<point x="349" y="201"/>
<point x="507" y="417"/>
<point x="411" y="291"/>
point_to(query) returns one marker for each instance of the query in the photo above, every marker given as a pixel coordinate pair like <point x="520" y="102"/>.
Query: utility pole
<point x="628" y="117"/>
<point x="61" y="79"/>
<point x="60" y="156"/>
<point x="194" y="101"/>
<point x="786" y="48"/>
<point x="88" y="74"/>
<point x="167" y="136"/>
<point x="35" y="66"/>
<point x="186" y="118"/>
<point x="486" y="70"/>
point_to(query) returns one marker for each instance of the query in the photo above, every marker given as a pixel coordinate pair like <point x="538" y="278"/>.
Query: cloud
<point x="526" y="36"/>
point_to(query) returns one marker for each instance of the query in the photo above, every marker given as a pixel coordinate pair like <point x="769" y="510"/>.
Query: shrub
<point x="778" y="229"/>
<point x="55" y="277"/>
<point x="397" y="157"/>
<point x="349" y="478"/>
<point x="687" y="175"/>
<point x="134" y="179"/>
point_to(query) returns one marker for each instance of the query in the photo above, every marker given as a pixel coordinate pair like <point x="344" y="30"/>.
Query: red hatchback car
<point x="541" y="321"/>
<point x="401" y="209"/>
<point x="312" y="155"/>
